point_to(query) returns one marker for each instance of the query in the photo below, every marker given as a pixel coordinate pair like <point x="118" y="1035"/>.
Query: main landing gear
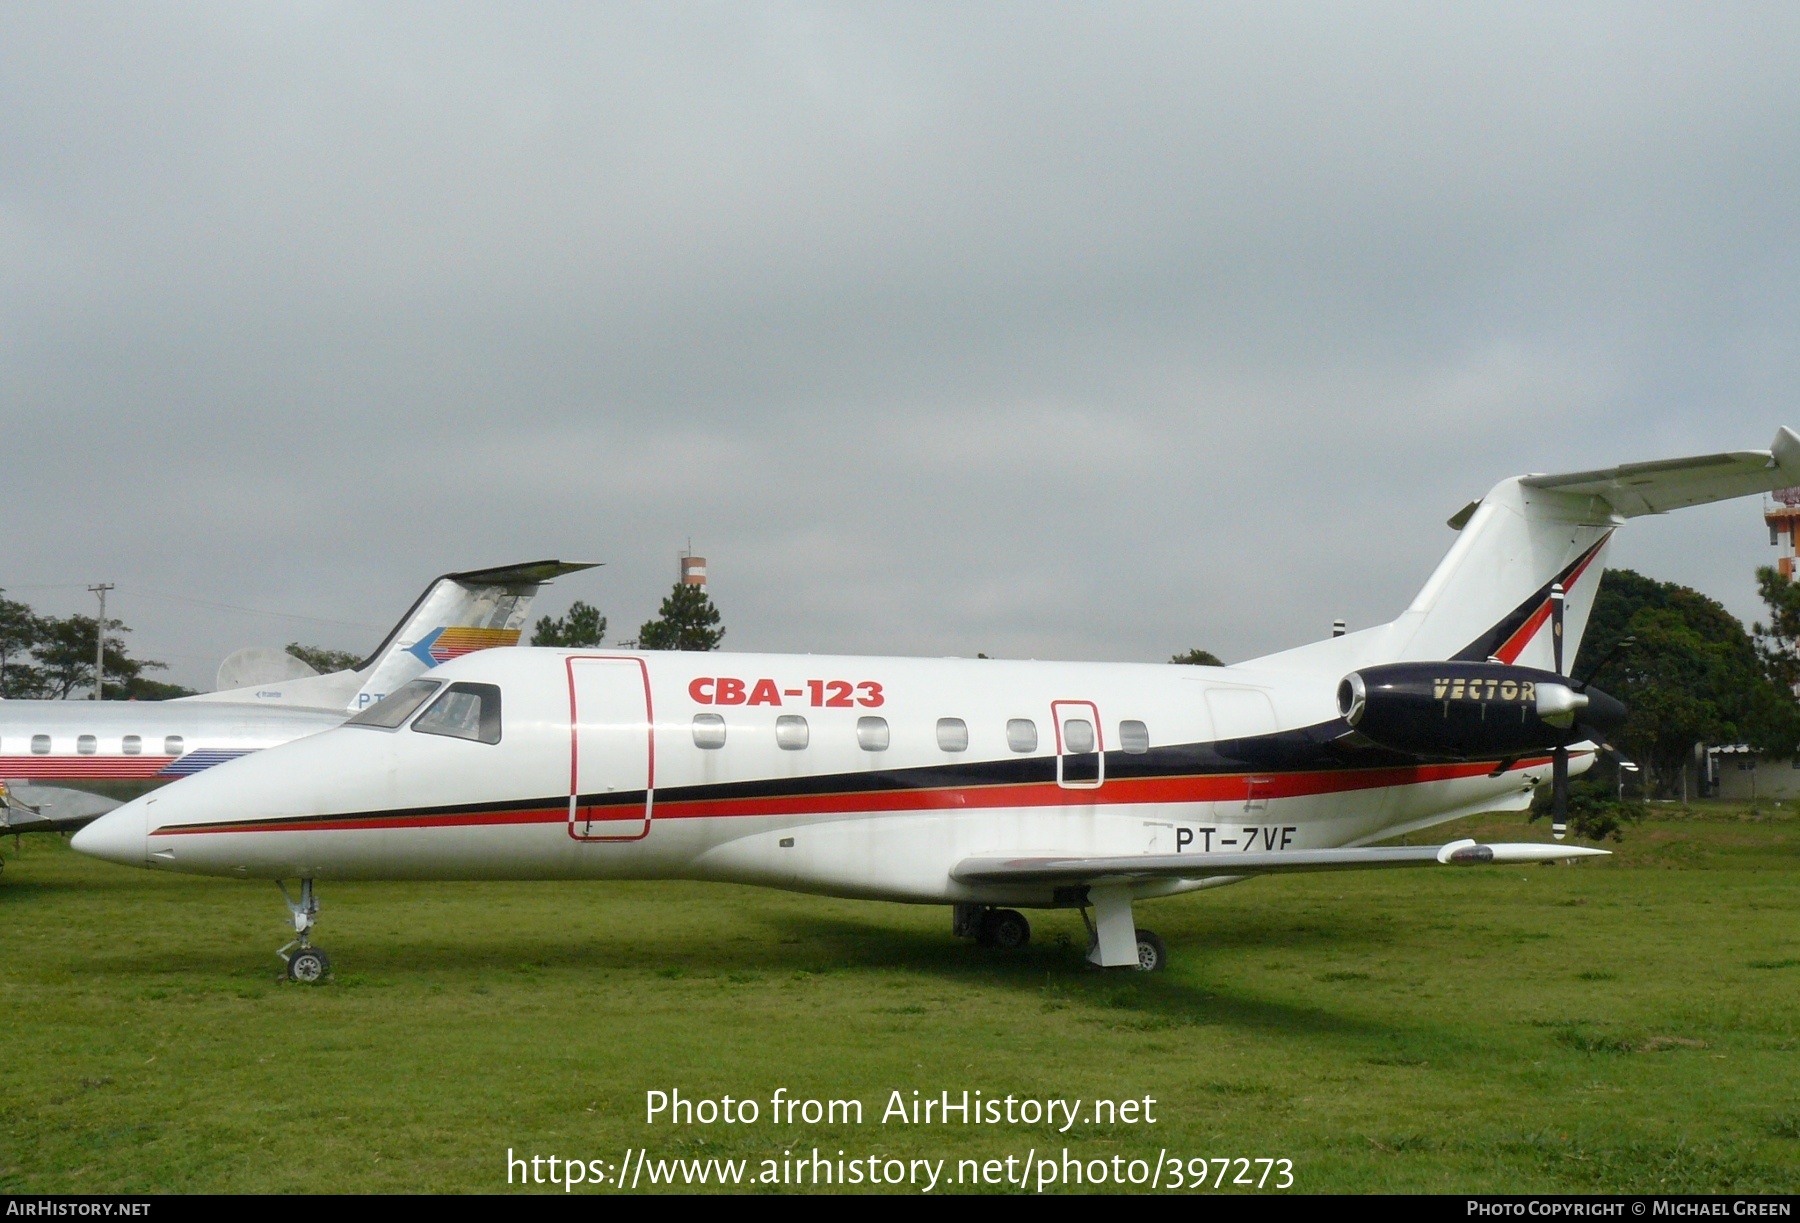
<point x="1114" y="940"/>
<point x="307" y="965"/>
<point x="1006" y="929"/>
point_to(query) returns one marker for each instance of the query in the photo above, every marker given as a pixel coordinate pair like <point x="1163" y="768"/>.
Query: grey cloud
<point x="1033" y="329"/>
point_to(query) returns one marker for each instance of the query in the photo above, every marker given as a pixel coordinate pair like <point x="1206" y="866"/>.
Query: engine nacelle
<point x="1480" y="710"/>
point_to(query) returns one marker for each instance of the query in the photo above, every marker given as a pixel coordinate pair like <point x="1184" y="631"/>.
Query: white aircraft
<point x="987" y="785"/>
<point x="49" y="750"/>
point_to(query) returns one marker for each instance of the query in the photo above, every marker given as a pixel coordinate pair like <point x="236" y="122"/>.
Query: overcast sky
<point x="1085" y="331"/>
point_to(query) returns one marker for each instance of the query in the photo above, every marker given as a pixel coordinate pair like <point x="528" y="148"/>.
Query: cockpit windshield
<point x="397" y="706"/>
<point x="465" y="711"/>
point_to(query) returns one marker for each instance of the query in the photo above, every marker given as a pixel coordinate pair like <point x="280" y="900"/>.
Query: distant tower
<point x="693" y="569"/>
<point x="1782" y="513"/>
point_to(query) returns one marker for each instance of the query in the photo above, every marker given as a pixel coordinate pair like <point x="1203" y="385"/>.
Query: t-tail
<point x="1491" y="595"/>
<point x="458" y="614"/>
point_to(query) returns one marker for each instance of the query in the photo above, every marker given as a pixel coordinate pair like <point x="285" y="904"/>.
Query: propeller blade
<point x="1559" y="794"/>
<point x="1556" y="623"/>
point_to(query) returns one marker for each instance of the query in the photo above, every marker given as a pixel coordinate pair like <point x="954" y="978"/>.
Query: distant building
<point x="1740" y="773"/>
<point x="1782" y="512"/>
<point x="693" y="570"/>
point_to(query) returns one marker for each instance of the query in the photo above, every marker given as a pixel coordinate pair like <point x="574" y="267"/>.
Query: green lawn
<point x="1625" y="1025"/>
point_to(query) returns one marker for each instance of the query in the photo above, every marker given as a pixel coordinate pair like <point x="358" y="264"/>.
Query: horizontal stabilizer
<point x="531" y="573"/>
<point x="1135" y="868"/>
<point x="1634" y="489"/>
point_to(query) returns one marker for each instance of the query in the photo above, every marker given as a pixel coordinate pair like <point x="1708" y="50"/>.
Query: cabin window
<point x="131" y="745"/>
<point x="709" y="730"/>
<point x="40" y="745"/>
<point x="872" y="734"/>
<point x="1078" y="735"/>
<point x="397" y="706"/>
<point x="86" y="745"/>
<point x="1134" y="737"/>
<point x="952" y="735"/>
<point x="464" y="711"/>
<point x="1021" y="734"/>
<point x="173" y="745"/>
<point x="790" y="732"/>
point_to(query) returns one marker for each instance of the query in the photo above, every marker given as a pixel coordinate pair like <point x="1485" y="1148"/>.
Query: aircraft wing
<point x="29" y="808"/>
<point x="1672" y="484"/>
<point x="1137" y="868"/>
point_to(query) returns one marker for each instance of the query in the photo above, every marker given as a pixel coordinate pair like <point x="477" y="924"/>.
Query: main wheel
<point x="308" y="966"/>
<point x="1006" y="929"/>
<point x="1152" y="955"/>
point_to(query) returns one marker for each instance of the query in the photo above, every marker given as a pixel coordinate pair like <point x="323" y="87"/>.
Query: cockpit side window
<point x="465" y="711"/>
<point x="397" y="706"/>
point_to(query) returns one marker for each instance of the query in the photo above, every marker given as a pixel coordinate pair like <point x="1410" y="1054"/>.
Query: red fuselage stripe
<point x="1210" y="788"/>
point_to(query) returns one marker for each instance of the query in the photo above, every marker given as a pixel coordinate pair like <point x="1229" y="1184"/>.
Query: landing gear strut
<point x="307" y="965"/>
<point x="1114" y="940"/>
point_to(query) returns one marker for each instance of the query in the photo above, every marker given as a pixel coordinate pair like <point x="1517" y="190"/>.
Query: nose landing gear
<point x="307" y="965"/>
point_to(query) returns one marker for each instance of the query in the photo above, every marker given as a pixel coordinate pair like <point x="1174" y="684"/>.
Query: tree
<point x="1779" y="642"/>
<point x="322" y="660"/>
<point x="685" y="622"/>
<point x="1597" y="806"/>
<point x="141" y="689"/>
<point x="583" y="627"/>
<point x="65" y="653"/>
<point x="1693" y="675"/>
<point x="20" y="629"/>
<point x="1198" y="658"/>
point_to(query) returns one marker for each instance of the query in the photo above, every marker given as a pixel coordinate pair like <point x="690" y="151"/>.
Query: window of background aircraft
<point x="709" y="730"/>
<point x="398" y="705"/>
<point x="40" y="745"/>
<point x="86" y="745"/>
<point x="173" y="746"/>
<point x="952" y="735"/>
<point x="1021" y="734"/>
<point x="465" y="711"/>
<point x="790" y="732"/>
<point x="131" y="745"/>
<point x="1134" y="737"/>
<point x="872" y="734"/>
<point x="1078" y="735"/>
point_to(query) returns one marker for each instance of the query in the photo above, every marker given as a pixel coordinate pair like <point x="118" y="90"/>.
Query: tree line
<point x="687" y="620"/>
<point x="52" y="658"/>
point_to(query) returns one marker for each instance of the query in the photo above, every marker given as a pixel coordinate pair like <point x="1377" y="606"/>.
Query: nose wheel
<point x="305" y="963"/>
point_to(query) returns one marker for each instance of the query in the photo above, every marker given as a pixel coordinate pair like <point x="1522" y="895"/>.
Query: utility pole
<point x="100" y="639"/>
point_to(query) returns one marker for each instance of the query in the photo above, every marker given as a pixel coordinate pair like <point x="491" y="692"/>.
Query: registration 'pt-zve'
<point x="986" y="785"/>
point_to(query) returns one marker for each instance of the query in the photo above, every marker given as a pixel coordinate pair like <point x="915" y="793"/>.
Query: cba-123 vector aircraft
<point x="55" y="755"/>
<point x="989" y="786"/>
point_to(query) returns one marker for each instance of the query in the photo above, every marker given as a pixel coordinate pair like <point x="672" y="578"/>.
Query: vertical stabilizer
<point x="1490" y="596"/>
<point x="458" y="614"/>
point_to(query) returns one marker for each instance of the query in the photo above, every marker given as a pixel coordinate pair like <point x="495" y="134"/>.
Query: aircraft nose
<point x="118" y="836"/>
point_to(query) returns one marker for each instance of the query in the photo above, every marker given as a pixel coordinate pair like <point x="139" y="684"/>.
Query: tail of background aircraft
<point x="458" y="614"/>
<point x="1490" y="596"/>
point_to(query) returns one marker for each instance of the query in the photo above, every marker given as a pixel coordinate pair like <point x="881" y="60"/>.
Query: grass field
<point x="1627" y="1025"/>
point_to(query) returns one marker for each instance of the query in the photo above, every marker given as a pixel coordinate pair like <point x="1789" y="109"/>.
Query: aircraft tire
<point x="1006" y="929"/>
<point x="308" y="966"/>
<point x="1152" y="955"/>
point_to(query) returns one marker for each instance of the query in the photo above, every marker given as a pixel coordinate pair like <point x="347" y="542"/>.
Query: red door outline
<point x="1056" y="722"/>
<point x="580" y="818"/>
